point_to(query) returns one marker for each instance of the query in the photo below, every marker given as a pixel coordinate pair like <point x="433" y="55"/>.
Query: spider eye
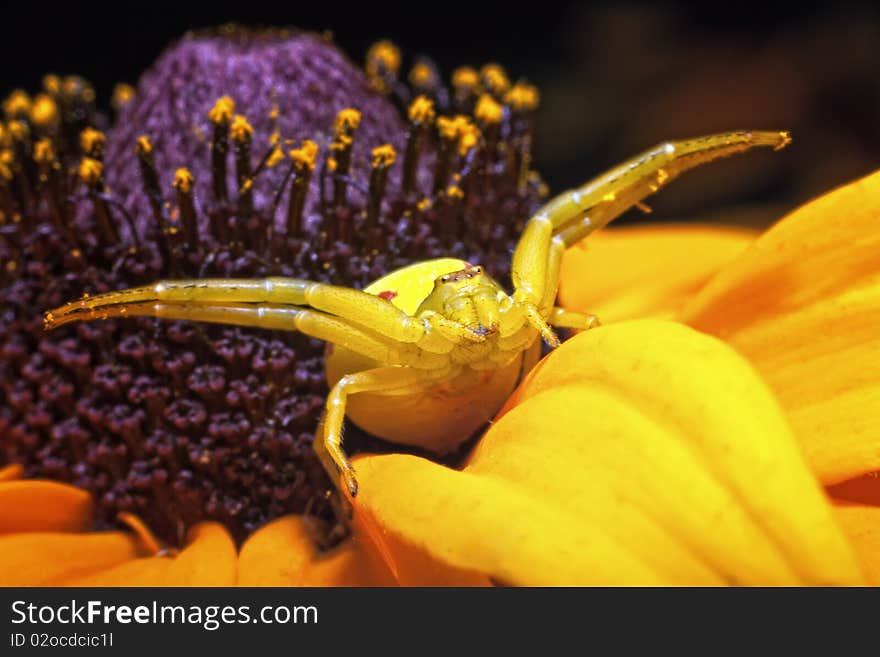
<point x="444" y="279"/>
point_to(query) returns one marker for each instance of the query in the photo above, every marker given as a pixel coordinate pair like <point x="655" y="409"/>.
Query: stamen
<point x="44" y="114"/>
<point x="91" y="172"/>
<point x="383" y="159"/>
<point x="123" y="94"/>
<point x="17" y="106"/>
<point x="220" y="115"/>
<point x="523" y="100"/>
<point x="421" y="118"/>
<point x="383" y="65"/>
<point x="22" y="163"/>
<point x="494" y="80"/>
<point x="302" y="165"/>
<point x="150" y="180"/>
<point x="183" y="184"/>
<point x="92" y="143"/>
<point x="466" y="86"/>
<point x="242" y="134"/>
<point x="424" y="78"/>
<point x="49" y="174"/>
<point x="339" y="162"/>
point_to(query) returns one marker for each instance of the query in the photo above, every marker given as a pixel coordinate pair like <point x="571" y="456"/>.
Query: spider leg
<point x="573" y="215"/>
<point x="569" y="319"/>
<point x="382" y="380"/>
<point x="352" y="306"/>
<point x="285" y="318"/>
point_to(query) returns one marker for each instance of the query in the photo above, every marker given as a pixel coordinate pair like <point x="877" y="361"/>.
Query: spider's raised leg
<point x="573" y="215"/>
<point x="382" y="380"/>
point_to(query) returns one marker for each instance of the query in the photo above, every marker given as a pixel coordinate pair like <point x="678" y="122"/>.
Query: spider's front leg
<point x="573" y="215"/>
<point x="387" y="381"/>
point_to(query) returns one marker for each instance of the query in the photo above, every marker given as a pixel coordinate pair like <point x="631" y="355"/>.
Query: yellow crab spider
<point x="427" y="354"/>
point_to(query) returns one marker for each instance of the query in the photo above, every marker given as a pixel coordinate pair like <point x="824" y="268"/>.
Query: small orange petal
<point x="11" y="472"/>
<point x="209" y="559"/>
<point x="861" y="525"/>
<point x="645" y="271"/>
<point x="283" y="554"/>
<point x="50" y="559"/>
<point x="803" y="305"/>
<point x="33" y="505"/>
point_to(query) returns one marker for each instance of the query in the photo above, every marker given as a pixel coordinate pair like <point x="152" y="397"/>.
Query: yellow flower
<point x="647" y="451"/>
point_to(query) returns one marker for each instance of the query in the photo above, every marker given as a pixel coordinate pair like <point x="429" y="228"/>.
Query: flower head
<point x="239" y="153"/>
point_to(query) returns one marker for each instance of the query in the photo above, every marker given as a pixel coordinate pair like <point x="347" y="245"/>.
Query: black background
<point x="616" y="78"/>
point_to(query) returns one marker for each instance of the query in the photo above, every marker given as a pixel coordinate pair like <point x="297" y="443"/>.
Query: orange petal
<point x="645" y="271"/>
<point x="33" y="505"/>
<point x="50" y="559"/>
<point x="861" y="524"/>
<point x="209" y="559"/>
<point x="803" y="305"/>
<point x="283" y="554"/>
<point x="11" y="472"/>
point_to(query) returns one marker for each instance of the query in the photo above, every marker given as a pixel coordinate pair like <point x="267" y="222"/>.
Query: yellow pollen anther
<point x="275" y="138"/>
<point x="144" y="145"/>
<point x="183" y="180"/>
<point x="6" y="160"/>
<point x="275" y="157"/>
<point x="383" y="56"/>
<point x="17" y="105"/>
<point x="465" y="78"/>
<point x="90" y="170"/>
<point x="488" y="110"/>
<point x="52" y="84"/>
<point x="454" y="191"/>
<point x="43" y="151"/>
<point x="383" y="156"/>
<point x="18" y="130"/>
<point x="421" y="110"/>
<point x="222" y="110"/>
<point x="420" y="75"/>
<point x="305" y="156"/>
<point x="495" y="79"/>
<point x="424" y="204"/>
<point x="122" y="95"/>
<point x="347" y="120"/>
<point x="522" y="97"/>
<point x="44" y="111"/>
<point x="91" y="140"/>
<point x="240" y="130"/>
<point x="274" y="113"/>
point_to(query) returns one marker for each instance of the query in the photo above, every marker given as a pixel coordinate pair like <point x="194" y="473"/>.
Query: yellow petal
<point x="861" y="524"/>
<point x="34" y="505"/>
<point x="50" y="559"/>
<point x="209" y="559"/>
<point x="660" y="422"/>
<point x="442" y="527"/>
<point x="645" y="271"/>
<point x="283" y="554"/>
<point x="803" y="305"/>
